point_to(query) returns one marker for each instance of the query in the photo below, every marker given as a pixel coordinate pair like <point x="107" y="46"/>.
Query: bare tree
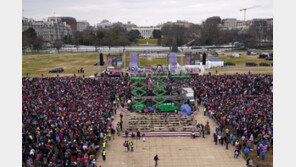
<point x="38" y="43"/>
<point x="58" y="45"/>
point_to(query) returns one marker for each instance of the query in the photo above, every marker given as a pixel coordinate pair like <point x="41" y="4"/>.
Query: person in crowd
<point x="132" y="146"/>
<point x="156" y="159"/>
<point x="138" y="135"/>
<point x="143" y="136"/>
<point x="104" y="154"/>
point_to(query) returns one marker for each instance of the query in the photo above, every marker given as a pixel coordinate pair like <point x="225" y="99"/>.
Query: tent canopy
<point x="185" y="109"/>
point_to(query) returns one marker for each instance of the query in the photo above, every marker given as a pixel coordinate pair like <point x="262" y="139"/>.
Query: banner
<point x="133" y="67"/>
<point x="109" y="61"/>
<point x="153" y="54"/>
<point x="195" y="112"/>
<point x="123" y="109"/>
<point x="164" y="133"/>
<point x="173" y="61"/>
<point x="187" y="60"/>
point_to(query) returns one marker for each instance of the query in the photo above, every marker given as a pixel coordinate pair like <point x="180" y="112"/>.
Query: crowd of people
<point x="242" y="103"/>
<point x="65" y="119"/>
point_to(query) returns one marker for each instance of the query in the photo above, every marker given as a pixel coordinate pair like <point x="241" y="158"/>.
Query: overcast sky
<point x="146" y="12"/>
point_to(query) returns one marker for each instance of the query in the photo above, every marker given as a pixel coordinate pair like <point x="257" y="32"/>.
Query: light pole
<point x="124" y="57"/>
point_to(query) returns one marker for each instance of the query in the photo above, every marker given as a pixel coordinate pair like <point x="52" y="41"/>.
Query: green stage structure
<point x="158" y="100"/>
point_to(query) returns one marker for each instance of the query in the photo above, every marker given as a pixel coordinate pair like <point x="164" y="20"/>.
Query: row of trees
<point x="169" y="35"/>
<point x="115" y="36"/>
<point x="212" y="34"/>
<point x="30" y="40"/>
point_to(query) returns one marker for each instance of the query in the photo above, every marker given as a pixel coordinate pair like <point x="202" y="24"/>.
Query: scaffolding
<point x="158" y="99"/>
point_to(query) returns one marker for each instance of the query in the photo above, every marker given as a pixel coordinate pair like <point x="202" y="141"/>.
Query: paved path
<point x="172" y="151"/>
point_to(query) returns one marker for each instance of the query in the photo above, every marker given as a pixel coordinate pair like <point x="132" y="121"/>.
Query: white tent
<point x="214" y="62"/>
<point x="235" y="55"/>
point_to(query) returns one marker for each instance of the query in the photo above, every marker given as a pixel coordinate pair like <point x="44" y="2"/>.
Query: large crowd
<point x="243" y="104"/>
<point x="66" y="118"/>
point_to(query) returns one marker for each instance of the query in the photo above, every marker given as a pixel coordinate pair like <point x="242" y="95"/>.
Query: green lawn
<point x="144" y="42"/>
<point x="36" y="65"/>
<point x="243" y="59"/>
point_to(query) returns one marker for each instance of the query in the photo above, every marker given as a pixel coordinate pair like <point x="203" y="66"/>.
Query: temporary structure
<point x="214" y="62"/>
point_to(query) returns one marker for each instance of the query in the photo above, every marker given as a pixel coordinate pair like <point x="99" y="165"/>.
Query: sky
<point x="146" y="12"/>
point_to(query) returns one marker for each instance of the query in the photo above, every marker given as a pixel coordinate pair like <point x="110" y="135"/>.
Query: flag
<point x="123" y="109"/>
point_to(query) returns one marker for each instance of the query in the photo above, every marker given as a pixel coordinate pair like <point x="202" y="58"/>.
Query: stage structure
<point x="154" y="93"/>
<point x="172" y="64"/>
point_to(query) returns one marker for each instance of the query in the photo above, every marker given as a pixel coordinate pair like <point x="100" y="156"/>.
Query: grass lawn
<point x="243" y="59"/>
<point x="144" y="42"/>
<point x="241" y="70"/>
<point x="35" y="65"/>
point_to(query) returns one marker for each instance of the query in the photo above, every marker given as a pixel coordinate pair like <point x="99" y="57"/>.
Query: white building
<point x="104" y="24"/>
<point x="82" y="25"/>
<point x="50" y="30"/>
<point x="232" y="23"/>
<point x="229" y="23"/>
<point x="146" y="32"/>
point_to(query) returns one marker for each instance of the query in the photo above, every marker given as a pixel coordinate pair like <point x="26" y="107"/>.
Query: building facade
<point x="68" y="20"/>
<point x="50" y="30"/>
<point x="82" y="25"/>
<point x="146" y="32"/>
<point x="232" y="23"/>
<point x="213" y="20"/>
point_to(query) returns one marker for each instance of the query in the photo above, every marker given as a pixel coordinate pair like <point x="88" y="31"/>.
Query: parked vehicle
<point x="56" y="70"/>
<point x="264" y="64"/>
<point x="251" y="64"/>
<point x="229" y="64"/>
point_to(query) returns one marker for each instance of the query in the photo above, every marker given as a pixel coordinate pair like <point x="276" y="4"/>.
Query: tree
<point x="68" y="39"/>
<point x="99" y="38"/>
<point x="31" y="33"/>
<point x="156" y="34"/>
<point x="115" y="35"/>
<point x="174" y="47"/>
<point x="178" y="33"/>
<point x="28" y="37"/>
<point x="77" y="39"/>
<point x="25" y="42"/>
<point x="133" y="35"/>
<point x="58" y="45"/>
<point x="37" y="44"/>
<point x="209" y="34"/>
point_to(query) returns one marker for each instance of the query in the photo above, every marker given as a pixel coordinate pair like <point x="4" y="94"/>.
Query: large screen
<point x="192" y="59"/>
<point x="114" y="60"/>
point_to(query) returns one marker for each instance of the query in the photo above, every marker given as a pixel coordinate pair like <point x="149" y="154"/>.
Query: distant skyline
<point x="146" y="12"/>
